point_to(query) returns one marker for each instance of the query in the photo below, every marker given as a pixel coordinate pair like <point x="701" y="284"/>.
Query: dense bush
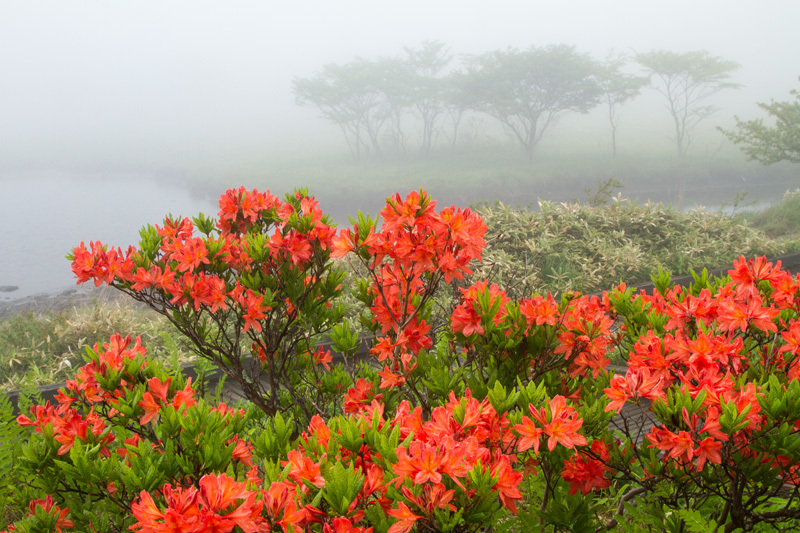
<point x="565" y="247"/>
<point x="503" y="419"/>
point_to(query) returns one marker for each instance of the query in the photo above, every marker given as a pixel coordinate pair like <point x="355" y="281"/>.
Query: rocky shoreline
<point x="56" y="301"/>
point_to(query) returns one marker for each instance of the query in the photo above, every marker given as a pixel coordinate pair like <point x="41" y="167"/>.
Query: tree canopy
<point x="528" y="91"/>
<point x="368" y="99"/>
<point x="349" y="96"/>
<point x="427" y="88"/>
<point x="384" y="106"/>
<point x="766" y="144"/>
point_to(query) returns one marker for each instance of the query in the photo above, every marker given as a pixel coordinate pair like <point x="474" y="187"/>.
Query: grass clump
<point x="586" y="248"/>
<point x="47" y="347"/>
<point x="782" y="219"/>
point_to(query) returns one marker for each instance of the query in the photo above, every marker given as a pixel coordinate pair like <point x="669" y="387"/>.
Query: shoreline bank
<point x="58" y="300"/>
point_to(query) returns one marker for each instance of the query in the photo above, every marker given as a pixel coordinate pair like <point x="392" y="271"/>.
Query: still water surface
<point x="43" y="217"/>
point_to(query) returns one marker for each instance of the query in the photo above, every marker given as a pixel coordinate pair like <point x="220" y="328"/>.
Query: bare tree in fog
<point x="688" y="80"/>
<point x="617" y="88"/>
<point x="766" y="144"/>
<point x="529" y="90"/>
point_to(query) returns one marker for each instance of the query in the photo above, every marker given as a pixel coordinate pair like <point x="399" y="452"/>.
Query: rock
<point x="8" y="288"/>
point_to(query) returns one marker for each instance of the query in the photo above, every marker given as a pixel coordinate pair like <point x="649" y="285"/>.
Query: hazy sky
<point x="136" y="83"/>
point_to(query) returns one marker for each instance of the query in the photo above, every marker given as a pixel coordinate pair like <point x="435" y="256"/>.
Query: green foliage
<point x="570" y="513"/>
<point x="13" y="495"/>
<point x="273" y="437"/>
<point x="696" y="522"/>
<point x="766" y="144"/>
<point x="527" y="91"/>
<point x="99" y="474"/>
<point x="563" y="247"/>
<point x="342" y="487"/>
<point x="602" y="194"/>
<point x="41" y="348"/>
<point x="643" y="513"/>
<point x="781" y="219"/>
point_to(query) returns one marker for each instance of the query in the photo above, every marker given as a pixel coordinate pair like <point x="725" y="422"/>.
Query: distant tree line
<point x="422" y="96"/>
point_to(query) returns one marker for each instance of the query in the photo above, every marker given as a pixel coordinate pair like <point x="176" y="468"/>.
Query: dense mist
<point x="198" y="89"/>
<point x="118" y="111"/>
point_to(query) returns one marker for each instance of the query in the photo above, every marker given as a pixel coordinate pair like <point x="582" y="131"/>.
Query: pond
<point x="45" y="216"/>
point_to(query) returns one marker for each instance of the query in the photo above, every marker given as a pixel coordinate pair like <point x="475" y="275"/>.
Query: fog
<point x="197" y="88"/>
<point x="111" y="100"/>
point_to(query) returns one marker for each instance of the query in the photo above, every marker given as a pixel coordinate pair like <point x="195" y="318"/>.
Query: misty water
<point x="44" y="216"/>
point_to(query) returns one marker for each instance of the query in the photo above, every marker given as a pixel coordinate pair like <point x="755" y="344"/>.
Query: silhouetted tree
<point x="529" y="90"/>
<point x="427" y="87"/>
<point x="393" y="81"/>
<point x="688" y="80"/>
<point x="617" y="88"/>
<point x="350" y="97"/>
<point x="459" y="98"/>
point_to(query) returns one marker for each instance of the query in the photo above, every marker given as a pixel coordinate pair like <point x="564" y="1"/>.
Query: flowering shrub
<point x="508" y="417"/>
<point x="125" y="425"/>
<point x="719" y="363"/>
<point x="257" y="283"/>
<point x="415" y="251"/>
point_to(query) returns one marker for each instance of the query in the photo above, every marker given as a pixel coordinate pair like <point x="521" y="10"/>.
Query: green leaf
<point x="342" y="485"/>
<point x="696" y="522"/>
<point x="345" y="340"/>
<point x="662" y="280"/>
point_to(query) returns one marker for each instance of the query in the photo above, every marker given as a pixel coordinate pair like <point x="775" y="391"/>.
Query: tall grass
<point x="781" y="219"/>
<point x="47" y="347"/>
